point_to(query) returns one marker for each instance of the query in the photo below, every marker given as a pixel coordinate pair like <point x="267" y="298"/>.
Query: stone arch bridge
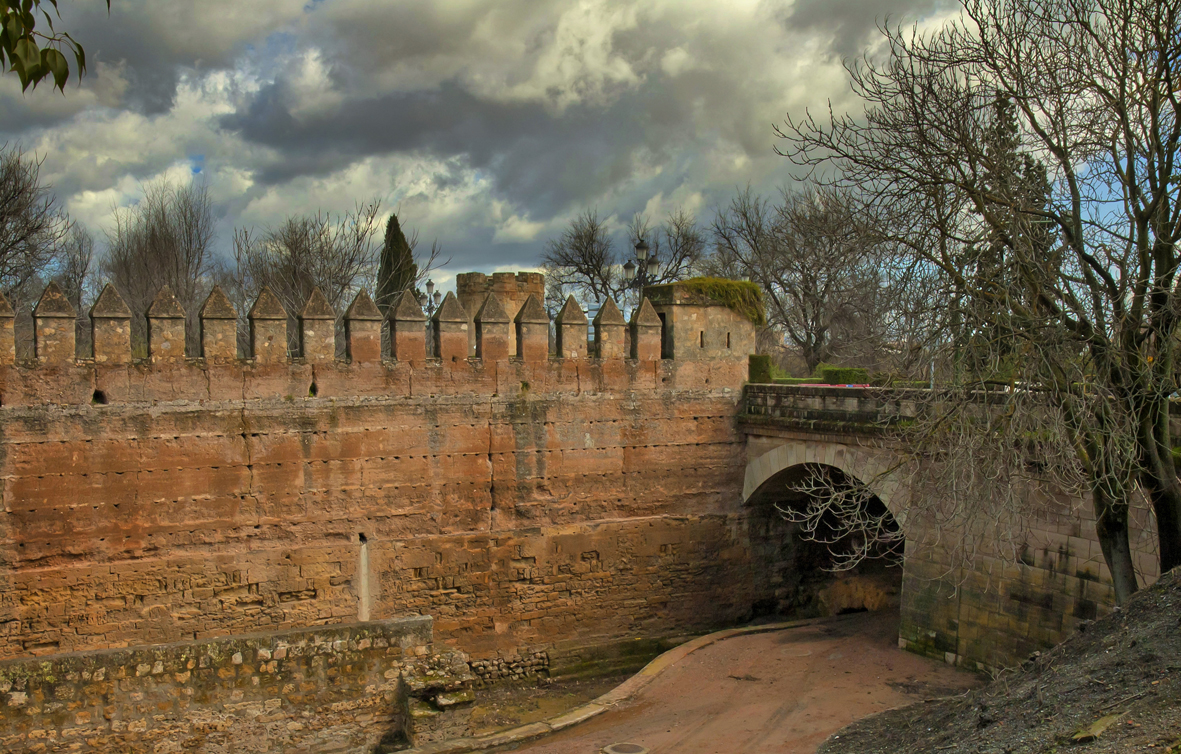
<point x="991" y="613"/>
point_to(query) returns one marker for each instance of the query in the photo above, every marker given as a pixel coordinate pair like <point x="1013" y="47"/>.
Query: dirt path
<point x="781" y="692"/>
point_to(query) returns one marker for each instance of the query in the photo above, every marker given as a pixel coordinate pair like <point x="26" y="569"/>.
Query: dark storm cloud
<point x="850" y="25"/>
<point x="540" y="157"/>
<point x="152" y="42"/>
<point x="535" y="158"/>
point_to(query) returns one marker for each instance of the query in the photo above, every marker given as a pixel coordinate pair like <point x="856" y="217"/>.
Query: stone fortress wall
<point x="544" y="510"/>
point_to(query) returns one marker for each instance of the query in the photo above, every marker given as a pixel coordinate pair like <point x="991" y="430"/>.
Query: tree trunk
<point x="1165" y="491"/>
<point x="1165" y="496"/>
<point x="1112" y="530"/>
<point x="1158" y="477"/>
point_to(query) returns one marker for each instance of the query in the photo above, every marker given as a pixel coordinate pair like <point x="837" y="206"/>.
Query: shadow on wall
<point x="796" y="574"/>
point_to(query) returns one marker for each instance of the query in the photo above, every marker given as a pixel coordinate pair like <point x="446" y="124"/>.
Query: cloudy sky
<point x="487" y="124"/>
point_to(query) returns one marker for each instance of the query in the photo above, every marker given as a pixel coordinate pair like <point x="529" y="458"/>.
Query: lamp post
<point x="636" y="276"/>
<point x="644" y="273"/>
<point x="429" y="301"/>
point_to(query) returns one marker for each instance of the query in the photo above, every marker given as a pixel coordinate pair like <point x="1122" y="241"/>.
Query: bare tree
<point x="678" y="244"/>
<point x="831" y="289"/>
<point x="164" y="239"/>
<point x="32" y="229"/>
<point x="584" y="260"/>
<point x="1078" y="276"/>
<point x="335" y="253"/>
<point x="75" y="275"/>
<point x="32" y="225"/>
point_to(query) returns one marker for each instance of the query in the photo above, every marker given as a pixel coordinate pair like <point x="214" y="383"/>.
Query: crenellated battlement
<point x="510" y="329"/>
<point x="527" y="482"/>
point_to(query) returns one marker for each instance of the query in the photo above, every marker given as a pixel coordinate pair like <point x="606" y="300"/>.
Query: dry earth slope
<point x="1115" y="686"/>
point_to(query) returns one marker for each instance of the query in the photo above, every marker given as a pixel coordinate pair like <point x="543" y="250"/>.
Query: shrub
<point x="831" y="375"/>
<point x="760" y="368"/>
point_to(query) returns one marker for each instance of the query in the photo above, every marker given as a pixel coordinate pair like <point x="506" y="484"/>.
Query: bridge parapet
<point x="826" y="408"/>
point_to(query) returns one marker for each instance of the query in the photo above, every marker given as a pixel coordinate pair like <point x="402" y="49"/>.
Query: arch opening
<point x="807" y="569"/>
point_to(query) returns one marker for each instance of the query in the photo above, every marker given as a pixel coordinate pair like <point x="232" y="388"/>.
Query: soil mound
<point x="1115" y="686"/>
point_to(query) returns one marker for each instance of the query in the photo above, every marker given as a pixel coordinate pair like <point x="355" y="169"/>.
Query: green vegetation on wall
<point x="740" y="296"/>
<point x="826" y="374"/>
<point x="761" y="368"/>
<point x="831" y="375"/>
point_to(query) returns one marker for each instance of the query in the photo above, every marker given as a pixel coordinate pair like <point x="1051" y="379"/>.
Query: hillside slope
<point x="1115" y="686"/>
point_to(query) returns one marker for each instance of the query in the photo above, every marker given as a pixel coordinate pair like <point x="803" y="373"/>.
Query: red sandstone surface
<point x="783" y="692"/>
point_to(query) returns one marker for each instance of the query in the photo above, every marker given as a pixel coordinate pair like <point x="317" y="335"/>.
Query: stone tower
<point x="513" y="290"/>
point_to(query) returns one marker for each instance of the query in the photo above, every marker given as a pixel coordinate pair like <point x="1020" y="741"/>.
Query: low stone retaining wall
<point x="364" y="687"/>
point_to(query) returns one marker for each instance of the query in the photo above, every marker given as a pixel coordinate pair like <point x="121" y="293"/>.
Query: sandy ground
<point x="783" y="692"/>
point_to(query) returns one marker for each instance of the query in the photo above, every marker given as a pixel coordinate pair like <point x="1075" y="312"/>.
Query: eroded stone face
<point x="539" y="514"/>
<point x="534" y="506"/>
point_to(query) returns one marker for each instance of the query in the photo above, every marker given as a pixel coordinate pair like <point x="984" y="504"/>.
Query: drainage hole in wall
<point x="99" y="398"/>
<point x="362" y="538"/>
<point x="312" y="390"/>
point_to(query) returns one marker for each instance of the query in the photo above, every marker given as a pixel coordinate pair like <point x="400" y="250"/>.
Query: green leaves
<point x="53" y="61"/>
<point x="31" y="54"/>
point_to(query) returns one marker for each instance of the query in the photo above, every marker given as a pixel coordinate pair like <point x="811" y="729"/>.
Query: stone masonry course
<point x="533" y="506"/>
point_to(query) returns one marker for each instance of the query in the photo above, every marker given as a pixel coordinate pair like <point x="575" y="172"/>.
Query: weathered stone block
<point x="317" y="329"/>
<point x="53" y="327"/>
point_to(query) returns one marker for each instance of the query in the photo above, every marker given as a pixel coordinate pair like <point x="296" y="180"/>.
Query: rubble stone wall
<point x="359" y="688"/>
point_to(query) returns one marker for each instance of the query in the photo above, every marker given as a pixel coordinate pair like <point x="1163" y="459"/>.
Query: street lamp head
<point x="438" y="297"/>
<point x="653" y="267"/>
<point x="641" y="250"/>
<point x="629" y="271"/>
<point x="430" y="287"/>
<point x="422" y="300"/>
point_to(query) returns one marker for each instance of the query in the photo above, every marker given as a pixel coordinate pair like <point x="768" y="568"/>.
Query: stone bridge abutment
<point x="986" y="610"/>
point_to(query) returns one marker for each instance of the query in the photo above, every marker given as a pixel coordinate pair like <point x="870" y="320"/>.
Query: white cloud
<point x="517" y="229"/>
<point x="566" y="105"/>
<point x="580" y="64"/>
<point x="314" y="91"/>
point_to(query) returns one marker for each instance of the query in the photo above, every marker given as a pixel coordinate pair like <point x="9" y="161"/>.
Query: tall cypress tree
<point x="1014" y="254"/>
<point x="397" y="270"/>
